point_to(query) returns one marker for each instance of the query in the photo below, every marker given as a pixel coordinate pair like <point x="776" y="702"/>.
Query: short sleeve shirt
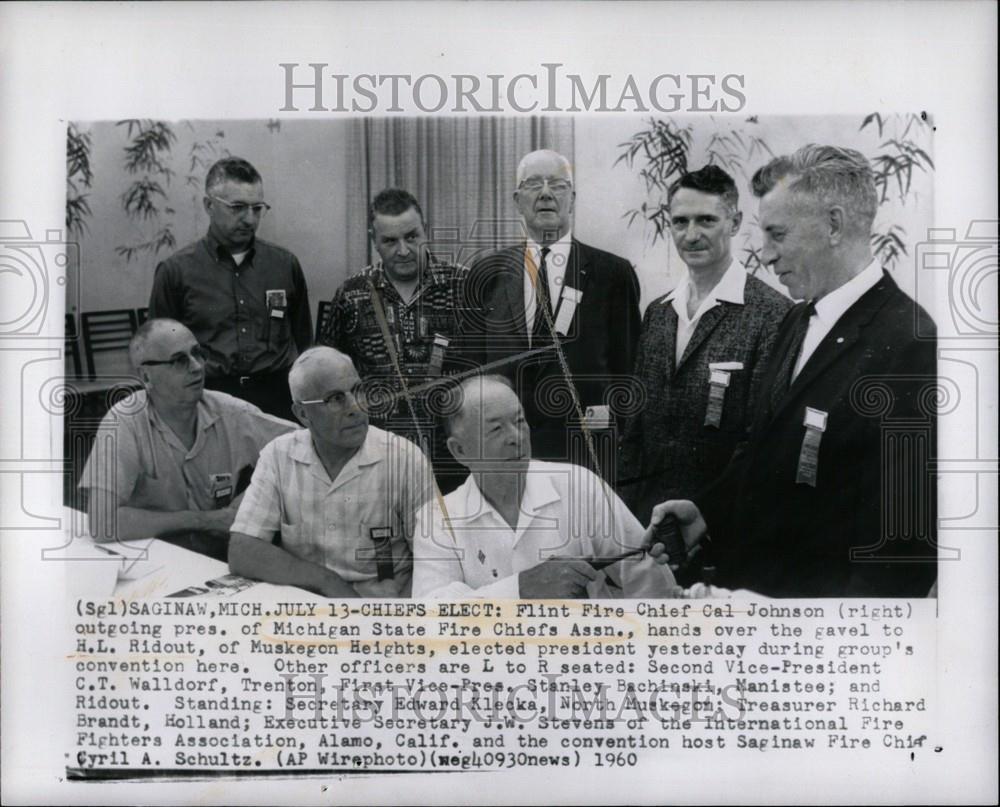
<point x="466" y="549"/>
<point x="339" y="523"/>
<point x="138" y="458"/>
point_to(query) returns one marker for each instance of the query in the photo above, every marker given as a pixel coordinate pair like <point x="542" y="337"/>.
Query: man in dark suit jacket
<point x="702" y="354"/>
<point x="833" y="494"/>
<point x="559" y="318"/>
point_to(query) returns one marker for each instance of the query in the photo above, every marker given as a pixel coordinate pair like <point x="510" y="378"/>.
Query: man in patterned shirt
<point x="397" y="319"/>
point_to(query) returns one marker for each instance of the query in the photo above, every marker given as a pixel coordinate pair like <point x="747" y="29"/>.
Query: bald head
<point x="152" y="334"/>
<point x="545" y="195"/>
<point x="489" y="426"/>
<point x="313" y="369"/>
<point x="543" y="161"/>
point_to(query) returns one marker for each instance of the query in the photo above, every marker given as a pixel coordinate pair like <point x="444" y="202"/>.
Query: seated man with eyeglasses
<point x="170" y="460"/>
<point x="243" y="298"/>
<point x="341" y="493"/>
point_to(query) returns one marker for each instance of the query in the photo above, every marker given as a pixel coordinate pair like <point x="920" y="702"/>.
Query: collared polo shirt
<point x="469" y="550"/>
<point x="729" y="289"/>
<point x="250" y="318"/>
<point x="335" y="523"/>
<point x="138" y="457"/>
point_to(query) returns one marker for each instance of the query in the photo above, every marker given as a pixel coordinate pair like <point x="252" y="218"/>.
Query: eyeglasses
<point x="535" y="184"/>
<point x="239" y="208"/>
<point x="181" y="361"/>
<point x="337" y="400"/>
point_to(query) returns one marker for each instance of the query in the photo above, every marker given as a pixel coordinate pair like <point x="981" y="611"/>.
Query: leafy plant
<point x="662" y="153"/>
<point x="145" y="157"/>
<point x="78" y="175"/>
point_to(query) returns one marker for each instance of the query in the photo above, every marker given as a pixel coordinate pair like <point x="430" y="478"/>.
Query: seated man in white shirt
<point x="171" y="459"/>
<point x="341" y="492"/>
<point x="522" y="528"/>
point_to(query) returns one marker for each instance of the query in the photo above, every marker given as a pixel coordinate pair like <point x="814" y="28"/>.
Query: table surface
<point x="154" y="568"/>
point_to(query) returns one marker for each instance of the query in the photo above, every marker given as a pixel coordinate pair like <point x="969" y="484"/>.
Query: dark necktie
<point x="783" y="379"/>
<point x="543" y="308"/>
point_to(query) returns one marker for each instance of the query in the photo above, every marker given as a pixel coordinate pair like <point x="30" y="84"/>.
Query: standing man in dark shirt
<point x="397" y="320"/>
<point x="244" y="299"/>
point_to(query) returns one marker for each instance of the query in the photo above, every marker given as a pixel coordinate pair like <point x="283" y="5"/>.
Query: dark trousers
<point x="269" y="391"/>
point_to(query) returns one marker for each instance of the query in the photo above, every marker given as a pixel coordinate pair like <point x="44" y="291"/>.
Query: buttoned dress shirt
<point x="138" y="458"/>
<point x="832" y="307"/>
<point x="250" y="318"/>
<point x="469" y="550"/>
<point x="334" y="523"/>
<point x="729" y="289"/>
<point x="556" y="262"/>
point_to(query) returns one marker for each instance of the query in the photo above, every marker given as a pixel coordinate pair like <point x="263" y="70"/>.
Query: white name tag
<point x="597" y="417"/>
<point x="720" y="377"/>
<point x="725" y="365"/>
<point x="278" y="313"/>
<point x="815" y="419"/>
<point x="567" y="308"/>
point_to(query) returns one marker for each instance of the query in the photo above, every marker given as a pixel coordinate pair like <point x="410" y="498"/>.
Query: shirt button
<point x="243" y="329"/>
<point x="241" y="302"/>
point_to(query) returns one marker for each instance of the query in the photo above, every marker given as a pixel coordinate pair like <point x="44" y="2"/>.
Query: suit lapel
<point x="708" y="323"/>
<point x="512" y="294"/>
<point x="842" y="337"/>
<point x="669" y="358"/>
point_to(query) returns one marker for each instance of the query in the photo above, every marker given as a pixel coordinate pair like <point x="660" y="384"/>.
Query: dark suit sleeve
<point x="630" y="444"/>
<point x="626" y="326"/>
<point x="300" y="315"/>
<point x="898" y="482"/>
<point x="166" y="298"/>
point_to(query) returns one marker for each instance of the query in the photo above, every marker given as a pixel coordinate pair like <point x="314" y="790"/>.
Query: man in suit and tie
<point x="558" y="317"/>
<point x="702" y="353"/>
<point x="833" y="493"/>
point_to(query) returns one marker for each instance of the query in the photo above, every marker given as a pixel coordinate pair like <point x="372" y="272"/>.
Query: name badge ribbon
<point x="222" y="488"/>
<point x="567" y="308"/>
<point x="718" y="382"/>
<point x="382" y="538"/>
<point x="437" y="354"/>
<point x="277" y="302"/>
<point x="815" y="423"/>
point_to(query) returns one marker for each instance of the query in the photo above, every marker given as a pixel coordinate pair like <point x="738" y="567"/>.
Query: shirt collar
<point x="218" y="251"/>
<point x="206" y="415"/>
<point x="730" y="288"/>
<point x="370" y="453"/>
<point x="538" y="492"/>
<point x="562" y="246"/>
<point x="831" y="307"/>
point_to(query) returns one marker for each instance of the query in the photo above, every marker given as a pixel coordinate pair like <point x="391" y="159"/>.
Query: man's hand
<point x="556" y="579"/>
<point x="689" y="519"/>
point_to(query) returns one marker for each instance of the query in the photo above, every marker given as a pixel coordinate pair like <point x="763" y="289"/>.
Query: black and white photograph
<point x="573" y="419"/>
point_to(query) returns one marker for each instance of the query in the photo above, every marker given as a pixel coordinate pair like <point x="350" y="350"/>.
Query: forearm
<point x="130" y="523"/>
<point x="260" y="560"/>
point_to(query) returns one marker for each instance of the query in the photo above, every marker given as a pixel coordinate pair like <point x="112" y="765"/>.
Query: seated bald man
<point x="170" y="459"/>
<point x="341" y="493"/>
<point x="523" y="528"/>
